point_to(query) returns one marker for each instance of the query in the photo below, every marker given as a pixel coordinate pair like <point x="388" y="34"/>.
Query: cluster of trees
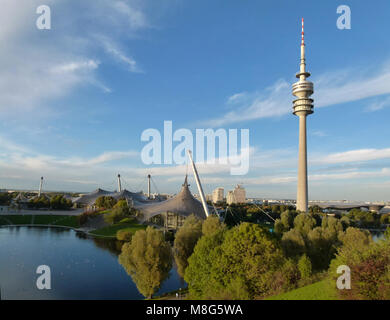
<point x="364" y="219"/>
<point x="369" y="264"/>
<point x="57" y="202"/>
<point x="39" y="202"/>
<point x="238" y="213"/>
<point x="105" y="202"/>
<point x="120" y="211"/>
<point x="148" y="257"/>
<point x="308" y="234"/>
<point x="60" y="203"/>
<point x="244" y="262"/>
<point x="247" y="261"/>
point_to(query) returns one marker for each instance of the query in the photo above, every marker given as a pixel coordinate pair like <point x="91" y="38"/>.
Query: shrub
<point x="304" y="266"/>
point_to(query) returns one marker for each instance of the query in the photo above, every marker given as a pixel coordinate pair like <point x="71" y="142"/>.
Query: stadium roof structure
<point x="90" y="198"/>
<point x="183" y="204"/>
<point x="125" y="194"/>
<point x="20" y="198"/>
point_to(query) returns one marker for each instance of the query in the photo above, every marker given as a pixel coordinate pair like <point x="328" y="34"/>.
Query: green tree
<point x="60" y="203"/>
<point x="279" y="227"/>
<point x="247" y="255"/>
<point x="105" y="202"/>
<point x="198" y="275"/>
<point x="293" y="243"/>
<point x="147" y="259"/>
<point x="186" y="238"/>
<point x="304" y="223"/>
<point x="211" y="225"/>
<point x="287" y="218"/>
<point x="285" y="223"/>
<point x="39" y="202"/>
<point x="369" y="263"/>
<point x="304" y="266"/>
<point x="345" y="222"/>
<point x="119" y="212"/>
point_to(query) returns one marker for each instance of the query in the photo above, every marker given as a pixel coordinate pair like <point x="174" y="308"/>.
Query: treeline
<point x="256" y="214"/>
<point x="237" y="213"/>
<point x="57" y="202"/>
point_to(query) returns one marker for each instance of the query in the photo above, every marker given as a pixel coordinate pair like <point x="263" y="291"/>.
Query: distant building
<point x="218" y="195"/>
<point x="238" y="195"/>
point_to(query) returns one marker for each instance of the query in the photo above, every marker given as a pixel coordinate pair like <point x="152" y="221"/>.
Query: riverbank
<point x="45" y="220"/>
<point x="95" y="227"/>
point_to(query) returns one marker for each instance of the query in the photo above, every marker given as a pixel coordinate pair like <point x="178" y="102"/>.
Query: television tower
<point x="149" y="176"/>
<point x="40" y="187"/>
<point x="119" y="183"/>
<point x="302" y="106"/>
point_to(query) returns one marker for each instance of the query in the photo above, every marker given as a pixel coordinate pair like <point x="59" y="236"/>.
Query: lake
<point x="81" y="267"/>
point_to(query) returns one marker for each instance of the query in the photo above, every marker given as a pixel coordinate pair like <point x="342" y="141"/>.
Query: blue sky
<point x="75" y="99"/>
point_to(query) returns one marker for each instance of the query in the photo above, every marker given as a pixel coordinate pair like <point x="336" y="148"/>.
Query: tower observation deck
<point x="302" y="106"/>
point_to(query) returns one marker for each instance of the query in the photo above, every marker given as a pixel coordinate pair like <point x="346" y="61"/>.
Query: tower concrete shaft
<point x="302" y="107"/>
<point x="119" y="183"/>
<point x="40" y="187"/>
<point x="149" y="186"/>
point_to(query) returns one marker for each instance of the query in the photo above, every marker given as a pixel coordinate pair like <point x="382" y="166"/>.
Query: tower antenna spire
<point x="303" y="33"/>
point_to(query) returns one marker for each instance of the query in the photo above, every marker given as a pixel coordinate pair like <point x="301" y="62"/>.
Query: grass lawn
<point x="322" y="290"/>
<point x="110" y="231"/>
<point x="12" y="219"/>
<point x="69" y="221"/>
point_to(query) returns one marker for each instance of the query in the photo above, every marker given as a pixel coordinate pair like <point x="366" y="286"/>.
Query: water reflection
<point x="81" y="267"/>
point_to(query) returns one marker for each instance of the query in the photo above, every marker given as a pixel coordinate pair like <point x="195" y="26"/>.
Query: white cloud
<point x="330" y="89"/>
<point x="39" y="66"/>
<point x="238" y="97"/>
<point x="136" y="17"/>
<point x="118" y="54"/>
<point x="274" y="101"/>
<point x="75" y="66"/>
<point x="379" y="104"/>
<point x="354" y="156"/>
<point x="319" y="133"/>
